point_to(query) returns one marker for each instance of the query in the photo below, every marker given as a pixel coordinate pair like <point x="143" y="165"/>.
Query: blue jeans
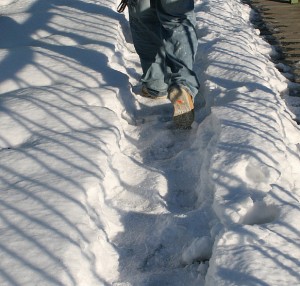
<point x="164" y="37"/>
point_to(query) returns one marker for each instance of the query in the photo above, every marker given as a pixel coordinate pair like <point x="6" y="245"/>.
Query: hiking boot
<point x="154" y="95"/>
<point x="183" y="104"/>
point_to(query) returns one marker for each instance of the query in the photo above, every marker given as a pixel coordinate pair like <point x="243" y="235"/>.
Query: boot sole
<point x="182" y="101"/>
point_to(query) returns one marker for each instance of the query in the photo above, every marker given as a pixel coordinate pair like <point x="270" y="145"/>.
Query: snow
<point x="98" y="188"/>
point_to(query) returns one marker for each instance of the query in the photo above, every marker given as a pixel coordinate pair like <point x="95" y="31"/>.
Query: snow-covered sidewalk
<point x="97" y="188"/>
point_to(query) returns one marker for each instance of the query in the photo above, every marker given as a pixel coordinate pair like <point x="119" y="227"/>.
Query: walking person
<point x="164" y="37"/>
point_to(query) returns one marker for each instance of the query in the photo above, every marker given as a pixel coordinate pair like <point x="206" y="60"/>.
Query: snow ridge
<point x="250" y="180"/>
<point x="59" y="126"/>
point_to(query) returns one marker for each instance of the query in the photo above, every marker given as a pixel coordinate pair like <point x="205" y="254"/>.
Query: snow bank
<point x="60" y="123"/>
<point x="255" y="164"/>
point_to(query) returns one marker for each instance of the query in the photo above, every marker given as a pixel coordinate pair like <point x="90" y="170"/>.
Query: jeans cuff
<point x="157" y="93"/>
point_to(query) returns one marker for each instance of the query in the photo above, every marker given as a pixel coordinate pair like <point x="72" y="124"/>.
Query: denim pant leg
<point x="178" y="21"/>
<point x="146" y="34"/>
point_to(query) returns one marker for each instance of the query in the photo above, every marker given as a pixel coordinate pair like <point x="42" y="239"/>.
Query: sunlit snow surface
<point x="98" y="188"/>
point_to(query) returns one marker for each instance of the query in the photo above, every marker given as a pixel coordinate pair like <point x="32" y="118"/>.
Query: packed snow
<point x="96" y="185"/>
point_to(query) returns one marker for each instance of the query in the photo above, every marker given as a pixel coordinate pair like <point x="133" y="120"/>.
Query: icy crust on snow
<point x="255" y="165"/>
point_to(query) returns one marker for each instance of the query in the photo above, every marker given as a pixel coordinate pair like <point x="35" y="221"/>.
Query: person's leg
<point x="180" y="41"/>
<point x="146" y="31"/>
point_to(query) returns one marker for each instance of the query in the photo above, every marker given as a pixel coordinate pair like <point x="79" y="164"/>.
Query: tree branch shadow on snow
<point x="236" y="92"/>
<point x="264" y="157"/>
<point x="29" y="184"/>
<point x="29" y="36"/>
<point x="41" y="245"/>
